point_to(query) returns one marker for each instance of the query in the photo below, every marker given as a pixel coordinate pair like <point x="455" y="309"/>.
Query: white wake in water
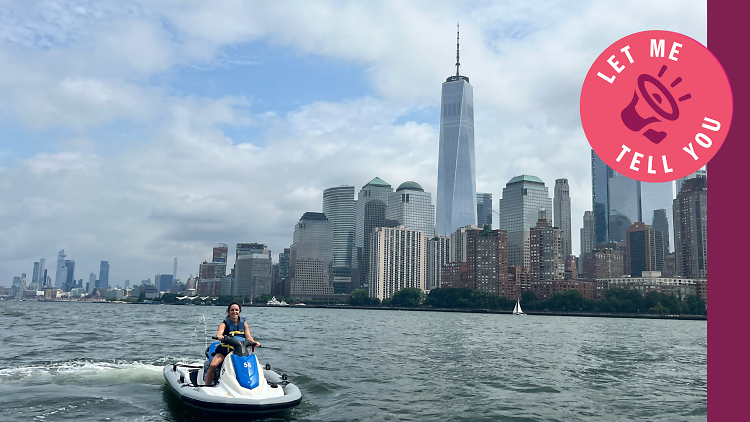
<point x="124" y="372"/>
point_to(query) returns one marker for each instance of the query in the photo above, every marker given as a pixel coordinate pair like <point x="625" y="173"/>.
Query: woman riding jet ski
<point x="243" y="385"/>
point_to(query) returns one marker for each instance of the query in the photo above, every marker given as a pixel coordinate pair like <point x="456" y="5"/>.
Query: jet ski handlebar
<point x="240" y="347"/>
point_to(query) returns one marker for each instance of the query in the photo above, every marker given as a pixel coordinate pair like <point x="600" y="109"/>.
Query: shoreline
<point x="454" y="310"/>
<point x="496" y="311"/>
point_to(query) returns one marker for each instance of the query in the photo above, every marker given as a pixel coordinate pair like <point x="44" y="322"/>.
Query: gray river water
<point x="98" y="362"/>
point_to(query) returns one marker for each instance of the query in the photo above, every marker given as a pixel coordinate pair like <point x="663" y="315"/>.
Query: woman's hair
<point x="230" y="306"/>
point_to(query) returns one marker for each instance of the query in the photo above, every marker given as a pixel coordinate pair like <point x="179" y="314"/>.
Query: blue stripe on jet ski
<point x="246" y="369"/>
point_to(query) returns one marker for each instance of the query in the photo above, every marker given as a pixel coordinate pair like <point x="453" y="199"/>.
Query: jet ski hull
<point x="182" y="381"/>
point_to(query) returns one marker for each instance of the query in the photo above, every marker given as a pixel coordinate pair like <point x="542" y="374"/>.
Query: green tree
<point x="569" y="300"/>
<point x="658" y="309"/>
<point x="141" y="297"/>
<point x="360" y="297"/>
<point x="528" y="296"/>
<point x="448" y="298"/>
<point x="408" y="297"/>
<point x="694" y="305"/>
<point x="263" y="298"/>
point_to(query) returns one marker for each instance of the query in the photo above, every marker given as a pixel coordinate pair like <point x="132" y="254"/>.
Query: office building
<point x="163" y="282"/>
<point x="619" y="201"/>
<point x="208" y="270"/>
<point x="456" y="194"/>
<point x="660" y="222"/>
<point x="523" y="198"/>
<point x="61" y="271"/>
<point x="284" y="264"/>
<point x="588" y="239"/>
<point x="645" y="250"/>
<point x="410" y="206"/>
<point x="103" y="275"/>
<point x="561" y="206"/>
<point x="252" y="271"/>
<point x="42" y="278"/>
<point x="656" y="197"/>
<point x="91" y="285"/>
<point x="310" y="262"/>
<point x="70" y="280"/>
<point x="35" y="274"/>
<point x="681" y="181"/>
<point x="220" y="253"/>
<point x="398" y="261"/>
<point x="691" y="231"/>
<point x="338" y="206"/>
<point x="372" y="202"/>
<point x="252" y="249"/>
<point x="484" y="209"/>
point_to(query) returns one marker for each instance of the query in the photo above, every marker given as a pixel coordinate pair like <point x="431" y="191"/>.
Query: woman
<point x="233" y="325"/>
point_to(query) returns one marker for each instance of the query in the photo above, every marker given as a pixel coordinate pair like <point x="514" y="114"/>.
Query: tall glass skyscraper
<point x="484" y="209"/>
<point x="562" y="215"/>
<point x="600" y="198"/>
<point x="655" y="196"/>
<point x="61" y="271"/>
<point x="620" y="201"/>
<point x="523" y="198"/>
<point x="310" y="260"/>
<point x="410" y="206"/>
<point x="103" y="275"/>
<point x="587" y="233"/>
<point x="338" y="206"/>
<point x="457" y="190"/>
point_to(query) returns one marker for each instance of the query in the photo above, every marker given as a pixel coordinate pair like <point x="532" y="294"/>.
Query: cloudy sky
<point x="140" y="131"/>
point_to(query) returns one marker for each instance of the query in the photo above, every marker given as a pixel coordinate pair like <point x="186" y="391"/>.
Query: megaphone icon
<point x="635" y="122"/>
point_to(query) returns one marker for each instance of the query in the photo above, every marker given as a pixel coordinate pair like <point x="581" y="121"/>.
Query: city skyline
<point x="184" y="137"/>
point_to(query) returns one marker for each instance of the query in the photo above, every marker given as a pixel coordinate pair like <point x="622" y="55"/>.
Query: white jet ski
<point x="242" y="386"/>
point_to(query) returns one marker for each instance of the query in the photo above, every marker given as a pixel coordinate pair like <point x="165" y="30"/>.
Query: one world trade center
<point x="456" y="189"/>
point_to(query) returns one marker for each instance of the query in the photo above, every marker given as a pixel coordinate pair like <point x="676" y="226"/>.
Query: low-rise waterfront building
<point x="653" y="281"/>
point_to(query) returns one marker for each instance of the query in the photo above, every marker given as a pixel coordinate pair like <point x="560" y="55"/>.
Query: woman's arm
<point x="222" y="327"/>
<point x="248" y="335"/>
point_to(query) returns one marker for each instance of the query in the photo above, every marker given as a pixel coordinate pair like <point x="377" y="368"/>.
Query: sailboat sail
<point x="517" y="309"/>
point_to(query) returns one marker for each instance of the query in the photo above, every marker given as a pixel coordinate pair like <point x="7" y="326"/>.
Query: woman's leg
<point x="215" y="362"/>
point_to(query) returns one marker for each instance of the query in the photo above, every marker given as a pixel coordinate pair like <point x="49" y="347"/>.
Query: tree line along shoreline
<point x="618" y="302"/>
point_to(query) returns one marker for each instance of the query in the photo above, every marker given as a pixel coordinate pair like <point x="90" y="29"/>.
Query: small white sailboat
<point x="517" y="310"/>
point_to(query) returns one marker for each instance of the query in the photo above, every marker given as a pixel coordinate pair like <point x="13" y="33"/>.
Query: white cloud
<point x="73" y="161"/>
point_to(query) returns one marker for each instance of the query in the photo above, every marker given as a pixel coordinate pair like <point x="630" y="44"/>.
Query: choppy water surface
<point x="97" y="362"/>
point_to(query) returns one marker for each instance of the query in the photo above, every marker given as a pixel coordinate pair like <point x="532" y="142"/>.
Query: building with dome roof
<point x="372" y="202"/>
<point x="410" y="206"/>
<point x="524" y="196"/>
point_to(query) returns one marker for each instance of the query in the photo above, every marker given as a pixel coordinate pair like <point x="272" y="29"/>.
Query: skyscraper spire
<point x="457" y="189"/>
<point x="458" y="62"/>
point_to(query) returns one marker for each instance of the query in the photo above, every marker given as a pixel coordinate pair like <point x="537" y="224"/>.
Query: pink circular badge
<point x="656" y="106"/>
